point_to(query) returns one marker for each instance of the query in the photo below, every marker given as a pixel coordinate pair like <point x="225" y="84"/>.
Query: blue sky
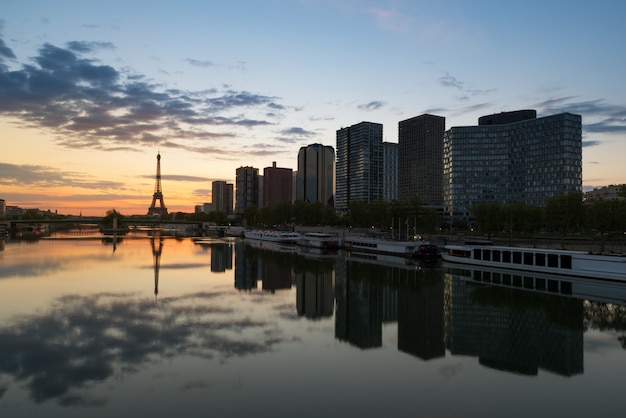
<point x="91" y="91"/>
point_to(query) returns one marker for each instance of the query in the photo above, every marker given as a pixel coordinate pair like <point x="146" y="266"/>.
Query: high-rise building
<point x="359" y="174"/>
<point x="3" y="208"/>
<point x="315" y="179"/>
<point x="420" y="159"/>
<point x="511" y="157"/>
<point x="277" y="185"/>
<point x="390" y="171"/>
<point x="222" y="197"/>
<point x="247" y="191"/>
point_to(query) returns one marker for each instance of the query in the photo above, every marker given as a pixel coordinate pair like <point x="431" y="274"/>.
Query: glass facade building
<point x="315" y="179"/>
<point x="530" y="160"/>
<point x="359" y="174"/>
<point x="390" y="171"/>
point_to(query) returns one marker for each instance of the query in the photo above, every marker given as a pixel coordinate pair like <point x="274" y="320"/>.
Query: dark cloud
<point x="373" y="105"/>
<point x="84" y="47"/>
<point x="448" y="80"/>
<point x="297" y="131"/>
<point x="591" y="143"/>
<point x="5" y="51"/>
<point x="598" y="116"/>
<point x="34" y="175"/>
<point x="90" y="105"/>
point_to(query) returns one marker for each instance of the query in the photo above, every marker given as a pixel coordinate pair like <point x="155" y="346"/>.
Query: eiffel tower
<point x="158" y="194"/>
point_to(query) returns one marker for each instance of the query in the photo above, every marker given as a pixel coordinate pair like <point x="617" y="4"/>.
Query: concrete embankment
<point x="594" y="245"/>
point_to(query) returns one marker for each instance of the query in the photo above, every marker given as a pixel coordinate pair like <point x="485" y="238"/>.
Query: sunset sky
<point x="91" y="91"/>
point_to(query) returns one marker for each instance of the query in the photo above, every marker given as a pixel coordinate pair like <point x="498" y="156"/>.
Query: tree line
<point x="563" y="215"/>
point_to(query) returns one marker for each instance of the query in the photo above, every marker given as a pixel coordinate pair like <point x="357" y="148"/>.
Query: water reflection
<point x="88" y="339"/>
<point x="156" y="243"/>
<point x="61" y="353"/>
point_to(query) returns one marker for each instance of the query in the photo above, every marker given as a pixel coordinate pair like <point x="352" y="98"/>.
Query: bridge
<point x="35" y="225"/>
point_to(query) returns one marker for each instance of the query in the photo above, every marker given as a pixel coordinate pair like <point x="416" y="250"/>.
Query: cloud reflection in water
<point x="83" y="340"/>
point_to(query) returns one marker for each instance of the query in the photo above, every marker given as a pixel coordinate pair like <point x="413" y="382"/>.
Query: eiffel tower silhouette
<point x="158" y="193"/>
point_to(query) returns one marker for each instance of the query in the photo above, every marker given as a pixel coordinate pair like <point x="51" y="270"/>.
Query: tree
<point x="565" y="213"/>
<point x="250" y="214"/>
<point x="489" y="217"/>
<point x="605" y="216"/>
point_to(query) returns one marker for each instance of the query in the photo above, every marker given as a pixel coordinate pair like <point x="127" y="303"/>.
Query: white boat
<point x="572" y="263"/>
<point x="283" y="237"/>
<point x="385" y="246"/>
<point x="320" y="240"/>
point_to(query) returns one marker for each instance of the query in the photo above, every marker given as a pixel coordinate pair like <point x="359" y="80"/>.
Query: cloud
<point x="598" y="116"/>
<point x="182" y="178"/>
<point x="200" y="63"/>
<point x="84" y="47"/>
<point x="90" y="105"/>
<point x="5" y="51"/>
<point x="34" y="175"/>
<point x="391" y="19"/>
<point x="586" y="144"/>
<point x="297" y="131"/>
<point x="448" y="80"/>
<point x="373" y="105"/>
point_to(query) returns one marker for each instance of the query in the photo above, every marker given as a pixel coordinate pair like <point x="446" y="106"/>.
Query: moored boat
<point x="384" y="246"/>
<point x="283" y="237"/>
<point x="573" y="263"/>
<point x="320" y="240"/>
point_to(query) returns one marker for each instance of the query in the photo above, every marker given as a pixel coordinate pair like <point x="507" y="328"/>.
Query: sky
<point x="92" y="91"/>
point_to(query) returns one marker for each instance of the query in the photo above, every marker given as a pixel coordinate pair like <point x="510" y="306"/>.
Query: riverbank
<point x="593" y="245"/>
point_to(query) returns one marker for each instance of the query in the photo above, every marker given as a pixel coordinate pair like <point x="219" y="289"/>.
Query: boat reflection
<point x="568" y="286"/>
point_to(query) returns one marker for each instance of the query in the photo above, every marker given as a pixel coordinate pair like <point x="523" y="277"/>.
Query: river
<point x="156" y="326"/>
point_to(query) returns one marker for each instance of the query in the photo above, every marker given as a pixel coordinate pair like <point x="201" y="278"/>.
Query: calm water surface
<point x="165" y="327"/>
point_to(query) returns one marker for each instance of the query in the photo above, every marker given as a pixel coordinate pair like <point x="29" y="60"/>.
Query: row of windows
<point x="525" y="258"/>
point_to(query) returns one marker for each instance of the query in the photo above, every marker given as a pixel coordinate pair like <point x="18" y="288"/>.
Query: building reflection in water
<point x="221" y="257"/>
<point x="314" y="279"/>
<point x="514" y="330"/>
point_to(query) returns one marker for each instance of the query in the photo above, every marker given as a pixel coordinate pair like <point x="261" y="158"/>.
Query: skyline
<point x="90" y="95"/>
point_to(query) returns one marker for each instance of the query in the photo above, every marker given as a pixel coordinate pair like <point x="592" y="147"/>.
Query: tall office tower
<point x="390" y="171"/>
<point x="3" y="208"/>
<point x="420" y="159"/>
<point x="222" y="196"/>
<point x="277" y="185"/>
<point x="247" y="188"/>
<point x="315" y="179"/>
<point x="359" y="174"/>
<point x="511" y="157"/>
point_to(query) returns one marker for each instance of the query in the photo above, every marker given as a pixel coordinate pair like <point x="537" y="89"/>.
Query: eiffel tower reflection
<point x="156" y="242"/>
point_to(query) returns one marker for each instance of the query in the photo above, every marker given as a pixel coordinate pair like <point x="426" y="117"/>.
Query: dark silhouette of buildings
<point x="277" y="185"/>
<point x="315" y="178"/>
<point x="420" y="159"/>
